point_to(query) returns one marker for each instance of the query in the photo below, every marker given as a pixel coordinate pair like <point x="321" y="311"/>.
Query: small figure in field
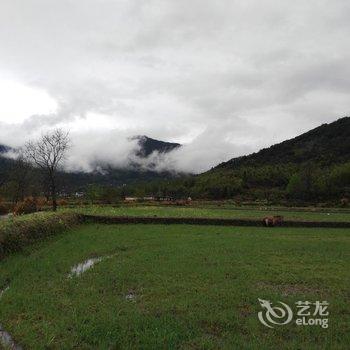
<point x="344" y="202"/>
<point x="276" y="220"/>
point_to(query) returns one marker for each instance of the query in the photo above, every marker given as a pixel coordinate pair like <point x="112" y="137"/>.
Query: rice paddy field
<point x="210" y="211"/>
<point x="177" y="286"/>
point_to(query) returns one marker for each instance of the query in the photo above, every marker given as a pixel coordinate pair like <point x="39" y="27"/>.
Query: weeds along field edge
<point x="17" y="232"/>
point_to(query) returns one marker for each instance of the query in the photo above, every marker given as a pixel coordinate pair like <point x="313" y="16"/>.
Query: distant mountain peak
<point x="149" y="145"/>
<point x="4" y="148"/>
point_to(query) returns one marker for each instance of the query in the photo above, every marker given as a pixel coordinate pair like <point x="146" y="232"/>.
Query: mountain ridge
<point x="312" y="167"/>
<point x="325" y="144"/>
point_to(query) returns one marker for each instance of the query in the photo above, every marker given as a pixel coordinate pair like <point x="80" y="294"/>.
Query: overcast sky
<point x="224" y="77"/>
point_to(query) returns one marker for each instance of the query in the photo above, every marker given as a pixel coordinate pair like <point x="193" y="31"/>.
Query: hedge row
<point x="206" y="221"/>
<point x="19" y="232"/>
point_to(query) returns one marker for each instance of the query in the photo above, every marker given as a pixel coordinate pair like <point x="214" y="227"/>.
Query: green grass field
<point x="175" y="287"/>
<point x="215" y="212"/>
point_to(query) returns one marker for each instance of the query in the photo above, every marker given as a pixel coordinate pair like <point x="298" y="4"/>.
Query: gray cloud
<point x="224" y="77"/>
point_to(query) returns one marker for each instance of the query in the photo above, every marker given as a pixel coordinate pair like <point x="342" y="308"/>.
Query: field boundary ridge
<point x="207" y="221"/>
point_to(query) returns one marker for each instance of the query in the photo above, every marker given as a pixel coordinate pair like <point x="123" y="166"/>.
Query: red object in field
<point x="270" y="221"/>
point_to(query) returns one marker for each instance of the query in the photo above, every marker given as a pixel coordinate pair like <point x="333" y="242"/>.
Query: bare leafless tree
<point x="48" y="154"/>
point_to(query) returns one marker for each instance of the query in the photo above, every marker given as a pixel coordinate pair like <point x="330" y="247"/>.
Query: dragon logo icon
<point x="274" y="315"/>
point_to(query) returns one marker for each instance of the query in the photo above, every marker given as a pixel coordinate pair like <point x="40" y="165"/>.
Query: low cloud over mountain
<point x="221" y="78"/>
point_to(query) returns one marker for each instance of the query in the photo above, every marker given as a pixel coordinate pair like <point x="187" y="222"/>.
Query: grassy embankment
<point x="17" y="232"/>
<point x="188" y="287"/>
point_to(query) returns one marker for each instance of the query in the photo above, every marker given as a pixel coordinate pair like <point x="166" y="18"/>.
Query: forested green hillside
<point x="314" y="166"/>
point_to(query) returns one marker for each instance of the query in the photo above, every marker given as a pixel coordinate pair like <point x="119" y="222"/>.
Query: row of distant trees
<point x="287" y="182"/>
<point x="35" y="167"/>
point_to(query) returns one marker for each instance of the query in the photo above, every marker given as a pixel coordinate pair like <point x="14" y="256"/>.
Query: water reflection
<point x="3" y="291"/>
<point x="6" y="340"/>
<point x="77" y="270"/>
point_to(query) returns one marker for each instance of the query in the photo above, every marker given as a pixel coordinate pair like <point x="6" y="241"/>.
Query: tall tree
<point x="48" y="153"/>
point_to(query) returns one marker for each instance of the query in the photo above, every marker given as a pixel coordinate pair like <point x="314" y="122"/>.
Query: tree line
<point x="307" y="182"/>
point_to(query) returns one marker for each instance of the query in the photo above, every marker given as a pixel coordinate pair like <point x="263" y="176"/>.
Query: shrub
<point x="41" y="202"/>
<point x="28" y="206"/>
<point x="18" y="232"/>
<point x="62" y="202"/>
